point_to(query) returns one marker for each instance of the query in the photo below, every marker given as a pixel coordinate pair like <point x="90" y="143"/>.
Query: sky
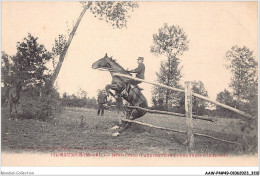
<point x="211" y="27"/>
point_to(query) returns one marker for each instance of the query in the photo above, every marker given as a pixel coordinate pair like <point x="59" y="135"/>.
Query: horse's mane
<point x="116" y="64"/>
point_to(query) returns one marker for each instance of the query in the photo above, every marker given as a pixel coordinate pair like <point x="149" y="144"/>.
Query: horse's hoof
<point x="115" y="134"/>
<point x="115" y="127"/>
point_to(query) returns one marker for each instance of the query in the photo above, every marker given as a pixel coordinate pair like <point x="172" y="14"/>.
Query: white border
<point x="128" y="170"/>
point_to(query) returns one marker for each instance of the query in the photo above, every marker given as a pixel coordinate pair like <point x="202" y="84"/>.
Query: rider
<point x="139" y="74"/>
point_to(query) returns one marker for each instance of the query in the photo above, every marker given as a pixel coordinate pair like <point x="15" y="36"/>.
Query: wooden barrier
<point x="170" y="113"/>
<point x="188" y="110"/>
<point x="194" y="94"/>
<point x="180" y="131"/>
<point x="222" y="105"/>
<point x="167" y="113"/>
<point x="156" y="84"/>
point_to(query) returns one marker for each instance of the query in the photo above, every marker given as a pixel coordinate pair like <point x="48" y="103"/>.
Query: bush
<point x="36" y="107"/>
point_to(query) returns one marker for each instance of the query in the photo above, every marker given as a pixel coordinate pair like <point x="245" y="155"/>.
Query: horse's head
<point x="102" y="63"/>
<point x="109" y="64"/>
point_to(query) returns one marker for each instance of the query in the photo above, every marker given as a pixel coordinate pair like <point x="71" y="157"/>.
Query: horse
<point x="134" y="96"/>
<point x="14" y="97"/>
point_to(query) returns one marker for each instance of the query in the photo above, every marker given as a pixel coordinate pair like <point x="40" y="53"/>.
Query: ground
<point x="77" y="129"/>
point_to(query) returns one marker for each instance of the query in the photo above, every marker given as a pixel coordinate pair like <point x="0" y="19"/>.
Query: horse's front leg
<point x="111" y="86"/>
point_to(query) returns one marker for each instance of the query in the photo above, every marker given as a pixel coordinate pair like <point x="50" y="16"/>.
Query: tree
<point x="28" y="66"/>
<point x="243" y="67"/>
<point x="174" y="76"/>
<point x="7" y="79"/>
<point x="154" y="102"/>
<point x="113" y="12"/>
<point x="170" y="41"/>
<point x="198" y="105"/>
<point x="6" y="70"/>
<point x="29" y="63"/>
<point x="225" y="97"/>
<point x="82" y="93"/>
<point x="244" y="81"/>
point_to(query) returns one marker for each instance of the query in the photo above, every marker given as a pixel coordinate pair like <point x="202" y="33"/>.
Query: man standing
<point x="102" y="99"/>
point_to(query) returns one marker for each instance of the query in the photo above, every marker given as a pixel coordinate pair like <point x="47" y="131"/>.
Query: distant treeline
<point x="76" y="101"/>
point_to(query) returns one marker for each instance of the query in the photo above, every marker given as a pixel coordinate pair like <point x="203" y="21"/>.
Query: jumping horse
<point x="134" y="96"/>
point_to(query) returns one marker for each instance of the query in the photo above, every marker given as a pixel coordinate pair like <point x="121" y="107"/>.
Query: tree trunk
<point x="168" y="83"/>
<point x="62" y="56"/>
<point x="167" y="99"/>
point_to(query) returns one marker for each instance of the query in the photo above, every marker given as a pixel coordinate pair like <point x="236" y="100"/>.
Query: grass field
<point x="77" y="129"/>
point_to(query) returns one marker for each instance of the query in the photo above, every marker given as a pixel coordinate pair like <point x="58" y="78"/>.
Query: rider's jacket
<point x="139" y="70"/>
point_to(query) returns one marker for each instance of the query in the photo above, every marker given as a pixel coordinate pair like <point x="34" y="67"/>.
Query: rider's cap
<point x="140" y="58"/>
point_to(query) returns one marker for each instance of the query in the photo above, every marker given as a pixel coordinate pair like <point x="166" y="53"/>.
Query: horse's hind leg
<point x="125" y="125"/>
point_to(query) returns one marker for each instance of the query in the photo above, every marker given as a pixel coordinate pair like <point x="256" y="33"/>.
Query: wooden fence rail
<point x="193" y="94"/>
<point x="180" y="131"/>
<point x="188" y="110"/>
<point x="170" y="113"/>
<point x="222" y="105"/>
<point x="167" y="113"/>
<point x="148" y="82"/>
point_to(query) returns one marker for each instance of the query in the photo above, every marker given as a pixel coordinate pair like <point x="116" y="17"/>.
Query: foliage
<point x="198" y="105"/>
<point x="82" y="93"/>
<point x="226" y="98"/>
<point x="113" y="12"/>
<point x="29" y="67"/>
<point x="160" y="94"/>
<point x="243" y="67"/>
<point x="30" y="62"/>
<point x="244" y="82"/>
<point x="59" y="45"/>
<point x="34" y="107"/>
<point x="6" y="66"/>
<point x="178" y="103"/>
<point x="78" y="101"/>
<point x="170" y="41"/>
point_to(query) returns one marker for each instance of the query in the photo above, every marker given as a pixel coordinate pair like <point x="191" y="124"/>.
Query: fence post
<point x="188" y="112"/>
